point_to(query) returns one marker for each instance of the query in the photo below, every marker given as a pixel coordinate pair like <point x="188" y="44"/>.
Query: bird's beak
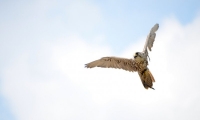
<point x="135" y="56"/>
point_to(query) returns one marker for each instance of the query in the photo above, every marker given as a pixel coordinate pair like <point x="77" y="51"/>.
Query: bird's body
<point x="138" y="63"/>
<point x="143" y="71"/>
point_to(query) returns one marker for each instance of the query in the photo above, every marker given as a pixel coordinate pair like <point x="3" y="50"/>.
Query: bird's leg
<point x="143" y="71"/>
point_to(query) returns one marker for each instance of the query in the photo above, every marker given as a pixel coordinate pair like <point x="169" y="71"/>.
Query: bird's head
<point x="139" y="56"/>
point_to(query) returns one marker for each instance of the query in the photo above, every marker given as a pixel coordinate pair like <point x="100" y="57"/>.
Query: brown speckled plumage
<point x="138" y="64"/>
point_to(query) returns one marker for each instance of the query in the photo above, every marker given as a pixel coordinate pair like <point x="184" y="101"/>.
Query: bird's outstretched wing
<point x="114" y="62"/>
<point x="150" y="38"/>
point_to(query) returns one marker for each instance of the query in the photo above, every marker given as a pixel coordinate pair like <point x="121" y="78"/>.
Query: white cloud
<point x="53" y="83"/>
<point x="83" y="16"/>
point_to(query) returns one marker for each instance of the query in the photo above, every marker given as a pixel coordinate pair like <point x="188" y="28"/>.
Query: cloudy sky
<point x="44" y="45"/>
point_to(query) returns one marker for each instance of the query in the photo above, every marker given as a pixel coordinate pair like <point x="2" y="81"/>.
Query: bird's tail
<point x="147" y="78"/>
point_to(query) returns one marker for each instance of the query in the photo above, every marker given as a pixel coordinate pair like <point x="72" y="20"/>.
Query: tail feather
<point x="153" y="80"/>
<point x="147" y="79"/>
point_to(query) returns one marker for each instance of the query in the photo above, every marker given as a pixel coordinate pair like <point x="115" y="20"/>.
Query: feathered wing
<point x="150" y="38"/>
<point x="114" y="62"/>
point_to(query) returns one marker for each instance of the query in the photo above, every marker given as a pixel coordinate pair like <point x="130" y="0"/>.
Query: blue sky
<point x="45" y="44"/>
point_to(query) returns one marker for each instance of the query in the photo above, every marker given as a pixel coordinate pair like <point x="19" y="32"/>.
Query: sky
<point x="44" y="45"/>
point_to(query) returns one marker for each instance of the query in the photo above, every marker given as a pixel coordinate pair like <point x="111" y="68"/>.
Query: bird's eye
<point x="136" y="53"/>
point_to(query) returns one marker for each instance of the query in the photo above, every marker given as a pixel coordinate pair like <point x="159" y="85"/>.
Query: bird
<point x="138" y="63"/>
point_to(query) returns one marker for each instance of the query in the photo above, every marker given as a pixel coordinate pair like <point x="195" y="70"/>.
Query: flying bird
<point x="138" y="63"/>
